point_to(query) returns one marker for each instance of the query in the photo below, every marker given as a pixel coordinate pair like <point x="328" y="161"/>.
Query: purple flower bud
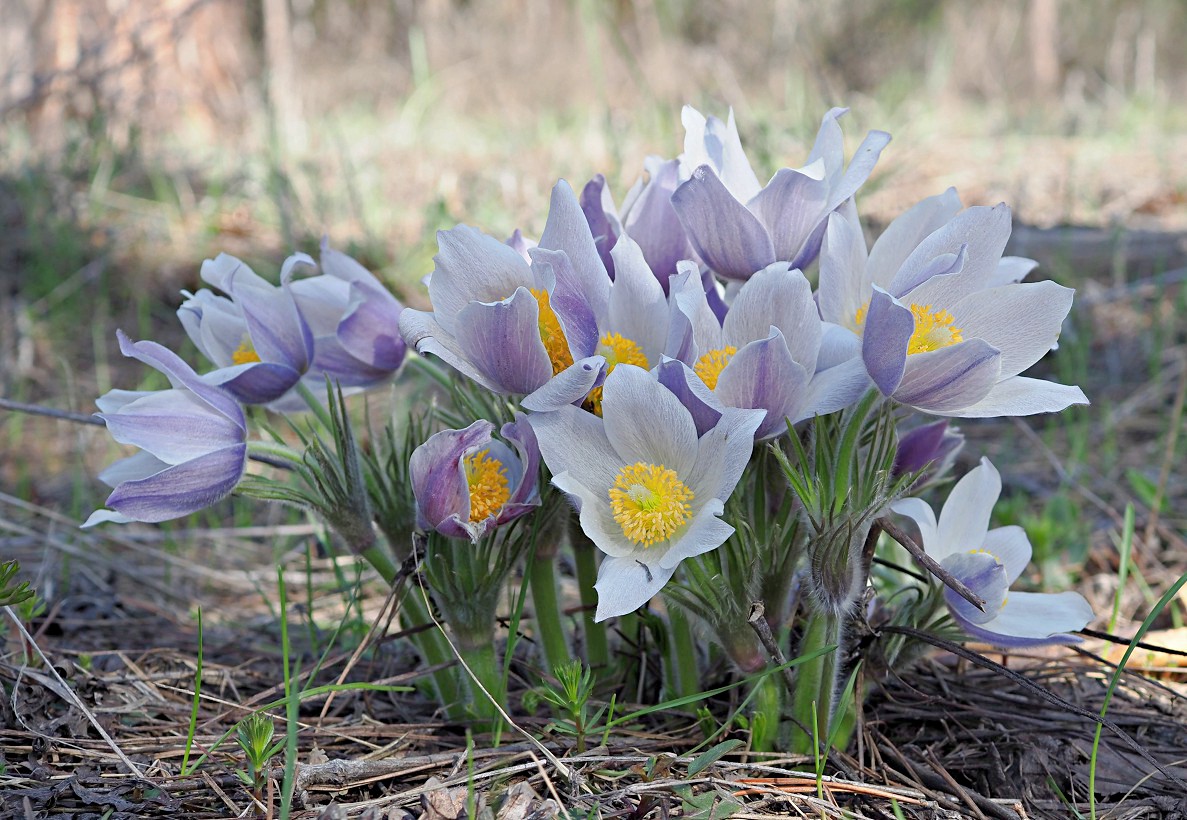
<point x="467" y="483"/>
<point x="193" y="439"/>
<point x="932" y="444"/>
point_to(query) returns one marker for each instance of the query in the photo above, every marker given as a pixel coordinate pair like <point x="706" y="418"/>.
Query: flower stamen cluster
<point x="552" y="334"/>
<point x="933" y="330"/>
<point x="649" y="502"/>
<point x="709" y="366"/>
<point x="489" y="487"/>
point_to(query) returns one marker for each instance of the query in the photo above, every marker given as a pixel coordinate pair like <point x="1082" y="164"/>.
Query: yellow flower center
<point x="933" y="328"/>
<point x="709" y="366"/>
<point x="552" y="334"/>
<point x="487" y="480"/>
<point x="649" y="502"/>
<point x="245" y="353"/>
<point x="617" y="349"/>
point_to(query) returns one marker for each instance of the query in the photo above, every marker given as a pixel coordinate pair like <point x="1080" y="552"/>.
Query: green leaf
<point x="707" y="759"/>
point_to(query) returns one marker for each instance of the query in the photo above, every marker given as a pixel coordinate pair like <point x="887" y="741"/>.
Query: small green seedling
<point x="254" y="736"/>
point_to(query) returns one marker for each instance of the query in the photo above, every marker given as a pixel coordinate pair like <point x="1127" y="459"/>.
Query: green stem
<point x="488" y="675"/>
<point x="597" y="644"/>
<point x="550" y="627"/>
<point x="379" y="558"/>
<point x="628" y="666"/>
<point x="431" y="370"/>
<point x="271" y="451"/>
<point x="316" y="407"/>
<point x="764" y="721"/>
<point x="816" y="684"/>
<point x="683" y="651"/>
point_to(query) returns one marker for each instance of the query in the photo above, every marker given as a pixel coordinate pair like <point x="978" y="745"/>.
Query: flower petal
<point x="566" y="230"/>
<point x="1010" y="546"/>
<point x="652" y="221"/>
<point x="982" y="574"/>
<point x="729" y="238"/>
<point x="723" y="453"/>
<point x="780" y="298"/>
<point x="698" y="399"/>
<point x="645" y="422"/>
<point x="573" y="441"/>
<point x="704" y="533"/>
<point x="255" y="383"/>
<point x="638" y="308"/>
<point x="984" y="230"/>
<point x="888" y="329"/>
<point x="1022" y="321"/>
<point x="763" y="375"/>
<point x="1034" y="619"/>
<point x="921" y="513"/>
<point x="602" y="218"/>
<point x="438" y="478"/>
<point x="153" y="423"/>
<point x="472" y="267"/>
<point x="569" y="298"/>
<point x="502" y="340"/>
<point x="422" y="331"/>
<point x="182" y="489"/>
<point x="950" y="378"/>
<point x="861" y="165"/>
<point x="964" y="521"/>
<point x="567" y="387"/>
<point x="834" y="389"/>
<point x="791" y="206"/>
<point x="1020" y="396"/>
<point x="907" y="231"/>
<point x="625" y="584"/>
<point x="182" y="375"/>
<point x="844" y="281"/>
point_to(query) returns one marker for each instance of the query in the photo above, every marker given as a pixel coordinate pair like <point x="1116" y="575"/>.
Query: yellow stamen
<point x="552" y="334"/>
<point x="933" y="328"/>
<point x="487" y="480"/>
<point x="650" y="502"/>
<point x="617" y="349"/>
<point x="245" y="353"/>
<point x="709" y="366"/>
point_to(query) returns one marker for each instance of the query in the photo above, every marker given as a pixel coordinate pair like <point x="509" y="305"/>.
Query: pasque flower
<point x="649" y="490"/>
<point x="945" y="324"/>
<point x="989" y="561"/>
<point x="738" y="226"/>
<point x="255" y="336"/>
<point x="467" y="483"/>
<point x="772" y="352"/>
<point x="193" y="439"/>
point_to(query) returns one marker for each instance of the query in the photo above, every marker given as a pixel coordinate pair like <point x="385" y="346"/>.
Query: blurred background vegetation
<point x="140" y="137"/>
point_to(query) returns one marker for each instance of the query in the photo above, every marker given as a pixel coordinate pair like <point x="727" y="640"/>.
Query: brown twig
<point x="930" y="564"/>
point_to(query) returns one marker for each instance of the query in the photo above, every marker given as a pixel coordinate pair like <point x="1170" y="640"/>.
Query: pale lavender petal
<point x="638" y="308"/>
<point x="982" y="574"/>
<point x="1011" y="270"/>
<point x="527" y="450"/>
<point x="698" y="399"/>
<point x="438" y="477"/>
<point x="926" y="278"/>
<point x="888" y="329"/>
<point x="569" y="386"/>
<point x="602" y="217"/>
<point x="985" y="232"/>
<point x="1020" y="396"/>
<point x="594" y="514"/>
<point x="861" y="165"/>
<point x="780" y="298"/>
<point x="566" y="230"/>
<point x="964" y="521"/>
<point x="625" y="584"/>
<point x="924" y="517"/>
<point x="106" y="517"/>
<point x="255" y="383"/>
<point x="181" y="375"/>
<point x="473" y="267"/>
<point x="791" y="206"/>
<point x="570" y="300"/>
<point x="1034" y="619"/>
<point x="427" y="337"/>
<point x="693" y="328"/>
<point x="905" y="233"/>
<point x="762" y="375"/>
<point x="704" y="533"/>
<point x="502" y="340"/>
<point x="1022" y="321"/>
<point x="1010" y="546"/>
<point x="834" y="389"/>
<point x="729" y="238"/>
<point x="723" y="453"/>
<point x="520" y="244"/>
<point x="181" y="489"/>
<point x="573" y="441"/>
<point x="133" y="468"/>
<point x="829" y="147"/>
<point x="113" y="400"/>
<point x="919" y="447"/>
<point x="345" y="267"/>
<point x="948" y="379"/>
<point x="652" y="221"/>
<point x="837" y="346"/>
<point x="156" y="422"/>
<point x="844" y="283"/>
<point x="278" y="332"/>
<point x="645" y="422"/>
<point x="214" y="325"/>
<point x="370" y="329"/>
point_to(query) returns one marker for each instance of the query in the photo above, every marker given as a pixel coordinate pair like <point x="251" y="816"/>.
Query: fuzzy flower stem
<point x="550" y="625"/>
<point x="431" y="645"/>
<point x="597" y="645"/>
<point x="274" y="454"/>
<point x="683" y="650"/>
<point x="816" y="682"/>
<point x="487" y="674"/>
<point x="316" y="407"/>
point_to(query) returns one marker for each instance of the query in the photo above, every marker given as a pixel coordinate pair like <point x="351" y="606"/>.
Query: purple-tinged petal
<point x="844" y="282"/>
<point x="1020" y="396"/>
<point x="698" y="399"/>
<point x="833" y="389"/>
<point x="888" y="329"/>
<point x="729" y="238"/>
<point x="155" y="423"/>
<point x="214" y="325"/>
<point x="791" y="206"/>
<point x="715" y="143"/>
<point x="837" y="346"/>
<point x="520" y="244"/>
<point x="625" y="584"/>
<point x="181" y="489"/>
<point x="566" y="230"/>
<point x="723" y="453"/>
<point x="693" y="328"/>
<point x="829" y="147"/>
<point x="762" y="375"/>
<point x="427" y="337"/>
<point x="652" y="221"/>
<point x="1023" y="321"/>
<point x="928" y="277"/>
<point x="984" y="230"/>
<point x="861" y="165"/>
<point x="573" y="441"/>
<point x="638" y="308"/>
<point x="1034" y="619"/>
<point x="278" y="332"/>
<point x="472" y="267"/>
<point x="570" y="300"/>
<point x="602" y="217"/>
<point x="919" y="447"/>
<point x="370" y="330"/>
<point x="713" y="295"/>
<point x="905" y="233"/>
<point x="569" y="386"/>
<point x="181" y="375"/>
<point x="964" y="521"/>
<point x="594" y="513"/>
<point x="502" y="340"/>
<point x="527" y="449"/>
<point x="780" y="298"/>
<point x="438" y="477"/>
<point x="950" y="378"/>
<point x="133" y="468"/>
<point x="668" y="436"/>
<point x="981" y="573"/>
<point x="1010" y="546"/>
<point x="255" y="383"/>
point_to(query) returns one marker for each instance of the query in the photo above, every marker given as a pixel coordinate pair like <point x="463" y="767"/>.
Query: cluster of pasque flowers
<point x="650" y="348"/>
